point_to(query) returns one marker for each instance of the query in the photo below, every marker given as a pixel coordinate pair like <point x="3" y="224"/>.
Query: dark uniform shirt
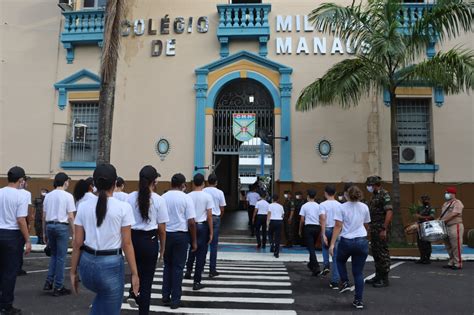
<point x="425" y="211"/>
<point x="379" y="205"/>
<point x="288" y="206"/>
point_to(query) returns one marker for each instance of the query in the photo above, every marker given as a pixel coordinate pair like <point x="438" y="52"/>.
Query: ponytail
<point x="143" y="199"/>
<point x="103" y="186"/>
<point x="80" y="190"/>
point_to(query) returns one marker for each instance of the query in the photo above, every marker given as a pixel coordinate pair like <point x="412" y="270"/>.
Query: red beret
<point x="451" y="190"/>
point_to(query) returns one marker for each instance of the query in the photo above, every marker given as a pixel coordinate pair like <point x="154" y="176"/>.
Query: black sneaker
<point x="277" y="255"/>
<point x="325" y="271"/>
<point x="174" y="306"/>
<point x="426" y="262"/>
<point x="381" y="284"/>
<point x="21" y="272"/>
<point x="272" y="249"/>
<point x="132" y="300"/>
<point x="48" y="286"/>
<point x="166" y="302"/>
<point x="372" y="280"/>
<point x="61" y="291"/>
<point x="213" y="274"/>
<point x="309" y="266"/>
<point x="344" y="287"/>
<point x="10" y="311"/>
<point x="197" y="286"/>
<point x="334" y="285"/>
<point x="187" y="275"/>
<point x="358" y="304"/>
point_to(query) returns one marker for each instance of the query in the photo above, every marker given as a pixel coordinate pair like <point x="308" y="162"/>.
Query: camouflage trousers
<point x="381" y="254"/>
<point x="289" y="230"/>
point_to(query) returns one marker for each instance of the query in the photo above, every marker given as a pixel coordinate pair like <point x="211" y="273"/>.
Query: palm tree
<point x="108" y="73"/>
<point x="391" y="52"/>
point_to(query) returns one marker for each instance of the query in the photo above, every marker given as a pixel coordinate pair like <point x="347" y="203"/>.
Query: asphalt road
<point x="414" y="289"/>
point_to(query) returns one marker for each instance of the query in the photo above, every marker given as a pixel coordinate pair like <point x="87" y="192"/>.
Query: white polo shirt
<point x="13" y="205"/>
<point x="180" y="210"/>
<point x="109" y="235"/>
<point x="202" y="203"/>
<point x="218" y="197"/>
<point x="120" y="195"/>
<point x="276" y="211"/>
<point x="262" y="207"/>
<point x="311" y="212"/>
<point x="87" y="196"/>
<point x="27" y="195"/>
<point x="157" y="213"/>
<point x="330" y="207"/>
<point x="253" y="198"/>
<point x="57" y="204"/>
<point x="353" y="215"/>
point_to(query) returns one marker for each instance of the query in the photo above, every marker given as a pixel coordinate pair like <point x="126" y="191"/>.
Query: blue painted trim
<point x="78" y="165"/>
<point x="386" y="97"/>
<point x="438" y="96"/>
<point x="419" y="168"/>
<point x="70" y="84"/>
<point x="281" y="96"/>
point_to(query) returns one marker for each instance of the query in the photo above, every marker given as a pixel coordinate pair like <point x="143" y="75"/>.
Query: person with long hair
<point x="352" y="220"/>
<point x="102" y="232"/>
<point x="119" y="187"/>
<point x="151" y="216"/>
<point x="83" y="191"/>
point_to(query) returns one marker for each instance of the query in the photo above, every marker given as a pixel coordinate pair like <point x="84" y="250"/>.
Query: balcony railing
<point x="85" y="27"/>
<point x="243" y="21"/>
<point x="412" y="12"/>
<point x="78" y="154"/>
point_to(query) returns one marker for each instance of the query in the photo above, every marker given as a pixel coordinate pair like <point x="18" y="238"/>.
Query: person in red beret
<point x="451" y="214"/>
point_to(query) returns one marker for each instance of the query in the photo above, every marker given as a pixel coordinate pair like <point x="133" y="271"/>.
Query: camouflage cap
<point x="373" y="180"/>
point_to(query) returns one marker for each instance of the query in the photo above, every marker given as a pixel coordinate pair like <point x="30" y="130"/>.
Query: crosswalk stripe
<point x="256" y="264"/>
<point x="225" y="290"/>
<point x="228" y="299"/>
<point x="264" y="277"/>
<point x="252" y="283"/>
<point x="244" y="268"/>
<point x="251" y="272"/>
<point x="189" y="310"/>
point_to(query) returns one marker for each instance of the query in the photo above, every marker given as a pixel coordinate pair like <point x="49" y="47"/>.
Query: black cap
<point x="149" y="172"/>
<point x="15" y="173"/>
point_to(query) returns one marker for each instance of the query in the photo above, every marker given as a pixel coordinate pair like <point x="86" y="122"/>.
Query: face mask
<point x="285" y="195"/>
<point x="370" y="189"/>
<point x="448" y="196"/>
<point x="94" y="190"/>
<point x="298" y="197"/>
<point x="43" y="194"/>
<point x="339" y="198"/>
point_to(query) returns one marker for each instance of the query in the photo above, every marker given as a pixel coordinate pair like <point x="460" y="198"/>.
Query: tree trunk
<point x="398" y="234"/>
<point x="108" y="73"/>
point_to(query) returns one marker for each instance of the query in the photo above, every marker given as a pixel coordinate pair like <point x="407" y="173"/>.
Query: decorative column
<point x="199" y="134"/>
<point x="286" y="86"/>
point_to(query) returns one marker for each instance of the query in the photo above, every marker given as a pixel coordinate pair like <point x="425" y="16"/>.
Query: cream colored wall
<point x="155" y="98"/>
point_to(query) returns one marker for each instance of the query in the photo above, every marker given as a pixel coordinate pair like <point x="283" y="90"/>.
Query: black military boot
<point x="381" y="283"/>
<point x="372" y="280"/>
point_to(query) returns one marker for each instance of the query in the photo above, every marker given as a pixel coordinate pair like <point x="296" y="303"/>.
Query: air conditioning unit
<point x="412" y="154"/>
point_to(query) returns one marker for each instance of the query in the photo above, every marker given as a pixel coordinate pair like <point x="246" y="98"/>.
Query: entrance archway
<point x="241" y="96"/>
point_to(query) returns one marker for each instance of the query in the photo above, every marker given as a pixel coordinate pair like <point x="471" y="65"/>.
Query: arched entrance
<point x="239" y="96"/>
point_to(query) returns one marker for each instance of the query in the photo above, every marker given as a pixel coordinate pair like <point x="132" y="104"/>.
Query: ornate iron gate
<point x="240" y="96"/>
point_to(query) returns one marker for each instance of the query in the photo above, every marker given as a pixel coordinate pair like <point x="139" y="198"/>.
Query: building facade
<point x="184" y="69"/>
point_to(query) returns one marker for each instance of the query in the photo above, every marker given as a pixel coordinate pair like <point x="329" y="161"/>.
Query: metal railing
<point x="79" y="151"/>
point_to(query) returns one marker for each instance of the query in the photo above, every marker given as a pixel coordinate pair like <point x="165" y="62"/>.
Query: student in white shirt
<point x="252" y="198"/>
<point x="330" y="207"/>
<point x="119" y="187"/>
<point x="27" y="196"/>
<point x="102" y="231"/>
<point x="260" y="220"/>
<point x="313" y="220"/>
<point x="83" y="191"/>
<point x="203" y="204"/>
<point x="13" y="235"/>
<point x="58" y="218"/>
<point x="151" y="215"/>
<point x="275" y="221"/>
<point x="217" y="214"/>
<point x="353" y="219"/>
<point x="181" y="225"/>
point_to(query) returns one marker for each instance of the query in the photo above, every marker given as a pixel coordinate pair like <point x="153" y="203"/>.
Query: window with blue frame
<point x="81" y="146"/>
<point x="94" y="4"/>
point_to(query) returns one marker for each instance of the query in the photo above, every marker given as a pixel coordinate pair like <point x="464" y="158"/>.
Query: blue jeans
<point x="335" y="273"/>
<point x="58" y="237"/>
<point x="216" y="222"/>
<point x="175" y="258"/>
<point x="11" y="249"/>
<point x="103" y="275"/>
<point x="358" y="249"/>
<point x="202" y="233"/>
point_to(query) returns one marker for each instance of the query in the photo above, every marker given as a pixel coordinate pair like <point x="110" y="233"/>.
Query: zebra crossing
<point x="241" y="288"/>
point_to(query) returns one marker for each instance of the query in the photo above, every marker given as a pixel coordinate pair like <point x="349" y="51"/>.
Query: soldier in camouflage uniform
<point x="424" y="213"/>
<point x="381" y="216"/>
<point x="299" y="202"/>
<point x="288" y="225"/>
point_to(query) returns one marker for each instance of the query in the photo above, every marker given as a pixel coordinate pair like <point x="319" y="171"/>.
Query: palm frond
<point x="453" y="71"/>
<point x="110" y="51"/>
<point x="344" y="83"/>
